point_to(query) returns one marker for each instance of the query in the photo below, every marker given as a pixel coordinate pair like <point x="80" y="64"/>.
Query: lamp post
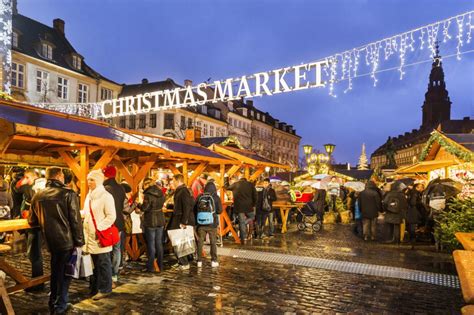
<point x="329" y="147"/>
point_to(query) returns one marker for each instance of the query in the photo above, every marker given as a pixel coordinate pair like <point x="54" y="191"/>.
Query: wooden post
<point x="185" y="171"/>
<point x="84" y="159"/>
<point x="107" y="156"/>
<point x="247" y="172"/>
<point x="197" y="171"/>
<point x="257" y="173"/>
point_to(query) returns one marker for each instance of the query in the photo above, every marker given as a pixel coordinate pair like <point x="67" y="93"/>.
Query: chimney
<point x="188" y="83"/>
<point x="193" y="135"/>
<point x="15" y="7"/>
<point x="58" y="25"/>
<point x="144" y="81"/>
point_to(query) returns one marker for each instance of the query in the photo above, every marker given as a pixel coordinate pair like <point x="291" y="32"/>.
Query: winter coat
<point x="17" y="198"/>
<point x="56" y="210"/>
<point x="415" y="207"/>
<point x="5" y="196"/>
<point x="118" y="192"/>
<point x="211" y="189"/>
<point x="370" y="203"/>
<point x="183" y="208"/>
<point x="152" y="207"/>
<point x="269" y="194"/>
<point x="319" y="200"/>
<point x="395" y="206"/>
<point x="103" y="207"/>
<point x="245" y="196"/>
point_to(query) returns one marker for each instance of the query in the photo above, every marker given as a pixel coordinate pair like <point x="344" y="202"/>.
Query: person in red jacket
<point x="198" y="185"/>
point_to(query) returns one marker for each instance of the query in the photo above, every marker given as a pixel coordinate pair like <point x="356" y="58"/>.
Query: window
<point x="204" y="130"/>
<point x="63" y="88"/>
<point x="211" y="131"/>
<point x="132" y="122"/>
<point x="82" y="93"/>
<point x="47" y="51"/>
<point x="106" y="94"/>
<point x="169" y="121"/>
<point x="153" y="120"/>
<point x="15" y="39"/>
<point x="190" y="122"/>
<point x="198" y="124"/>
<point x="142" y="121"/>
<point x="18" y="75"/>
<point x="183" y="123"/>
<point x="230" y="121"/>
<point x="76" y="62"/>
<point x="122" y="122"/>
<point x="42" y="81"/>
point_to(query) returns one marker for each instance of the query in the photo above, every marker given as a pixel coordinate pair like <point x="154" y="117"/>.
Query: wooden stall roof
<point x="30" y="129"/>
<point x="246" y="156"/>
<point x="425" y="166"/>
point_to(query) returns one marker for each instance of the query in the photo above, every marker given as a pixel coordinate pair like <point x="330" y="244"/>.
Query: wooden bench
<point x="464" y="260"/>
<point x="466" y="240"/>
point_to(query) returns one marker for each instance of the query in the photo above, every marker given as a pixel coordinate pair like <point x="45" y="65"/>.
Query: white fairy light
<point x="388" y="49"/>
<point x="349" y="81"/>
<point x="422" y="42"/>
<point x="403" y="48"/>
<point x="412" y="42"/>
<point x="374" y="60"/>
<point x="446" y="35"/>
<point x="356" y="61"/>
<point x="333" y="70"/>
<point x="469" y="28"/>
<point x="460" y="23"/>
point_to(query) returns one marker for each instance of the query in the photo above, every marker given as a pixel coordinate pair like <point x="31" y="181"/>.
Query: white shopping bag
<point x="74" y="264"/>
<point x="183" y="241"/>
<point x="87" y="266"/>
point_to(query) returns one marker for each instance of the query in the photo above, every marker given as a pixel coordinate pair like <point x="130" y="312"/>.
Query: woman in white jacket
<point x="101" y="203"/>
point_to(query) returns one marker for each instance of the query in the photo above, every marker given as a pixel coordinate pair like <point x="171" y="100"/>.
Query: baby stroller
<point x="308" y="217"/>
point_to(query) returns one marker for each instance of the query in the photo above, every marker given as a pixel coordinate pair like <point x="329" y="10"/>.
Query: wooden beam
<point x="5" y="304"/>
<point x="173" y="169"/>
<point x="144" y="169"/>
<point x="233" y="170"/>
<point x="5" y="143"/>
<point x="185" y="171"/>
<point x="71" y="163"/>
<point x="257" y="173"/>
<point x="247" y="172"/>
<point x="107" y="156"/>
<point x="221" y="178"/>
<point x="84" y="158"/>
<point x="197" y="171"/>
<point x="123" y="170"/>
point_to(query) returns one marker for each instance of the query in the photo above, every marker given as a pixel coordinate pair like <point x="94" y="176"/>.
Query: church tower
<point x="437" y="106"/>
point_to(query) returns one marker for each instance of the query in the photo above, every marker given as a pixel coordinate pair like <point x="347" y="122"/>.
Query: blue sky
<point x="130" y="40"/>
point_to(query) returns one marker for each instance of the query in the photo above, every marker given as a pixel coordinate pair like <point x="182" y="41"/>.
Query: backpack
<point x="4" y="212"/>
<point x="205" y="209"/>
<point x="393" y="204"/>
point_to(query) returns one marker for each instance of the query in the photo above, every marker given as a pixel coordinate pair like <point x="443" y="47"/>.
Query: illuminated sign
<point x="283" y="80"/>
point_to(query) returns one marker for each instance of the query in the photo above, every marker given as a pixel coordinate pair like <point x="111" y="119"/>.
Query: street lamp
<point x="267" y="170"/>
<point x="307" y="148"/>
<point x="329" y="148"/>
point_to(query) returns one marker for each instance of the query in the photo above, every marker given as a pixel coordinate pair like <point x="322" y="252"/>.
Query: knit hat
<point x="110" y="172"/>
<point x="97" y="176"/>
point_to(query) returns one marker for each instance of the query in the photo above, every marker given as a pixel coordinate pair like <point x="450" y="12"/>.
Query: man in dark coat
<point x="117" y="191"/>
<point x="415" y="211"/>
<point x="264" y="207"/>
<point x="153" y="222"/>
<point x="395" y="206"/>
<point x="56" y="210"/>
<point x="183" y="213"/>
<point x="370" y="205"/>
<point x="17" y="175"/>
<point x="245" y="199"/>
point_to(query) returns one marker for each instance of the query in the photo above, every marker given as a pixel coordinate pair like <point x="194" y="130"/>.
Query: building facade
<point x="436" y="114"/>
<point x="47" y="69"/>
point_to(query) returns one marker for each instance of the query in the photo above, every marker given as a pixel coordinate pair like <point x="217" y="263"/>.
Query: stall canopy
<point x="39" y="137"/>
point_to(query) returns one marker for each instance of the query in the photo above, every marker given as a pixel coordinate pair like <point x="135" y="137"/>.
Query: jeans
<point x="244" y="219"/>
<point x="101" y="280"/>
<point x="411" y="230"/>
<point x="394" y="233"/>
<point x="154" y="247"/>
<point x="59" y="281"/>
<point x="262" y="218"/>
<point x="34" y="252"/>
<point x="369" y="228"/>
<point x="212" y="231"/>
<point x="358" y="230"/>
<point x="333" y="202"/>
<point x="116" y="256"/>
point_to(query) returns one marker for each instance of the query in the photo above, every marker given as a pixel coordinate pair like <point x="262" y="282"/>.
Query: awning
<point x="246" y="156"/>
<point x="425" y="166"/>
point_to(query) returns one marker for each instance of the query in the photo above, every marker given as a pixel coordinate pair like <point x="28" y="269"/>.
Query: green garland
<point x="454" y="150"/>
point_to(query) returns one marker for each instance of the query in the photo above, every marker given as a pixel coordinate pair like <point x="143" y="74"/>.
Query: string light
<point x="347" y="65"/>
<point x="460" y="22"/>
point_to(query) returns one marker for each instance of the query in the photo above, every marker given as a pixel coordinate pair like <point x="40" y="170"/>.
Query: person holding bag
<point x="99" y="217"/>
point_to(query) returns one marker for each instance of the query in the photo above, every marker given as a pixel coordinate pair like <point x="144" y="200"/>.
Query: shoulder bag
<point x="107" y="237"/>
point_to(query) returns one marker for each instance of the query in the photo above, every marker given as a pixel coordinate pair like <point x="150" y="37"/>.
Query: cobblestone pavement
<point x="246" y="286"/>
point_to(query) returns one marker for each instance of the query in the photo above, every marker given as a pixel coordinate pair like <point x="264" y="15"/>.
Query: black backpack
<point x="205" y="209"/>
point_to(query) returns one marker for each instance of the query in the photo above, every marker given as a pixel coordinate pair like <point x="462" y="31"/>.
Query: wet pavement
<point x="244" y="285"/>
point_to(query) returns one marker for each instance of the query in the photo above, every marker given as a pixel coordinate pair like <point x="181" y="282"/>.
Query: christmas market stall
<point x="34" y="137"/>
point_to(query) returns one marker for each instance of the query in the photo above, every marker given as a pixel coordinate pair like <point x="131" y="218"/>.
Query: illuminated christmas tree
<point x="362" y="165"/>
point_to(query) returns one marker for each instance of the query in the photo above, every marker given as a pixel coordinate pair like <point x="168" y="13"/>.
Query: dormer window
<point x="47" y="51"/>
<point x="76" y="62"/>
<point x="15" y="40"/>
